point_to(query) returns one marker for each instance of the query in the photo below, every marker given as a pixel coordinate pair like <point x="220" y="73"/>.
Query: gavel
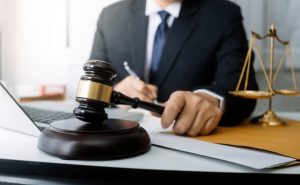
<point x="95" y="92"/>
<point x="93" y="135"/>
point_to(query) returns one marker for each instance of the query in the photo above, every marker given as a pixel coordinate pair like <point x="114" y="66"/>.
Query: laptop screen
<point x="12" y="116"/>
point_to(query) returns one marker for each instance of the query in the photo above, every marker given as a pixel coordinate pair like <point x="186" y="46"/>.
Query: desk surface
<point x="19" y="153"/>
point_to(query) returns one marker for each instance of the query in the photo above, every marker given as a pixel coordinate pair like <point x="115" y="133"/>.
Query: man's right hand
<point x="133" y="87"/>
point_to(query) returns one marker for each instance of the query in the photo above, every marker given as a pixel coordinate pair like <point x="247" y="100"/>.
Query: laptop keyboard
<point x="46" y="116"/>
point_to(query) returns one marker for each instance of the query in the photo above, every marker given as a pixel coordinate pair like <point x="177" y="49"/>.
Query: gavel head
<point x="94" y="91"/>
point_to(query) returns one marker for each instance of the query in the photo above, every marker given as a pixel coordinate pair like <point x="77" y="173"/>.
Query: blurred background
<point x="46" y="42"/>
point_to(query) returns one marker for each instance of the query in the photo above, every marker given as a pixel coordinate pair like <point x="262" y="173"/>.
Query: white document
<point x="246" y="157"/>
<point x="256" y="159"/>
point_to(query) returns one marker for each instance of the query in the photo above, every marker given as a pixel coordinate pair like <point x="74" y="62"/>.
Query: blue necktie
<point x="159" y="42"/>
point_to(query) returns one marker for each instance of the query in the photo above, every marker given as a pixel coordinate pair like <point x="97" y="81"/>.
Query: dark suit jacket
<point x="205" y="49"/>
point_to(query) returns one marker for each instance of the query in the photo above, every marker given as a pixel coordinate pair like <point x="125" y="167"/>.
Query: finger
<point x="122" y="86"/>
<point x="133" y="93"/>
<point x="153" y="90"/>
<point x="143" y="88"/>
<point x="205" y="112"/>
<point x="141" y="96"/>
<point x="173" y="106"/>
<point x="147" y="99"/>
<point x="184" y="122"/>
<point x="152" y="87"/>
<point x="130" y="87"/>
<point x="137" y="84"/>
<point x="205" y="121"/>
<point x="212" y="123"/>
<point x="186" y="118"/>
<point x="149" y="93"/>
<point x="209" y="126"/>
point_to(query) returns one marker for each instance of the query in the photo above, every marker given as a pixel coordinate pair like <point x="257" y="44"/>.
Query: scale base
<point x="268" y="119"/>
<point x="75" y="139"/>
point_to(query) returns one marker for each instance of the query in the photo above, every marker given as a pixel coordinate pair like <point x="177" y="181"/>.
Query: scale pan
<point x="287" y="92"/>
<point x="252" y="94"/>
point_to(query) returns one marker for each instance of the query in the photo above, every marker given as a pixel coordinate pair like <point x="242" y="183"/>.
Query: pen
<point x="132" y="73"/>
<point x="129" y="70"/>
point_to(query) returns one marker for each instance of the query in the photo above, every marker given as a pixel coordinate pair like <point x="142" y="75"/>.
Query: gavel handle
<point x="119" y="98"/>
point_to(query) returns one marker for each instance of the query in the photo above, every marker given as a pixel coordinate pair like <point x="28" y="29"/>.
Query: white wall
<point x="35" y="44"/>
<point x="84" y="16"/>
<point x="2" y="8"/>
<point x="38" y="49"/>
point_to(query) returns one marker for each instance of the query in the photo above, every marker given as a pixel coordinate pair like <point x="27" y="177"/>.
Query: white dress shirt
<point x="152" y="9"/>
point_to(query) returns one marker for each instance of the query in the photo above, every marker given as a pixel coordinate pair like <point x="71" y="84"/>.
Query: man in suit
<point x="187" y="53"/>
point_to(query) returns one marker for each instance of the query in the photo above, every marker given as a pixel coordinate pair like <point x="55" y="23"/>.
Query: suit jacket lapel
<point x="180" y="31"/>
<point x="137" y="31"/>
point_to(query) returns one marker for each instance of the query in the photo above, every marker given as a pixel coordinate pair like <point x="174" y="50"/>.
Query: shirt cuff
<point x="220" y="98"/>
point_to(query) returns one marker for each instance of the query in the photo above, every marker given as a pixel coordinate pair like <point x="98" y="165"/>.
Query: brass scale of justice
<point x="269" y="118"/>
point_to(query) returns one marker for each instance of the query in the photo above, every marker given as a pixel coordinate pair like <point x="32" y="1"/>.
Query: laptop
<point x="26" y="119"/>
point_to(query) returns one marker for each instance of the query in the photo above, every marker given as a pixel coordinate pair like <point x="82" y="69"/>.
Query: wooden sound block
<point x="75" y="139"/>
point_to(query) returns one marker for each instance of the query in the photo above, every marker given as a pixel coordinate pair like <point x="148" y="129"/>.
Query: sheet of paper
<point x="246" y="157"/>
